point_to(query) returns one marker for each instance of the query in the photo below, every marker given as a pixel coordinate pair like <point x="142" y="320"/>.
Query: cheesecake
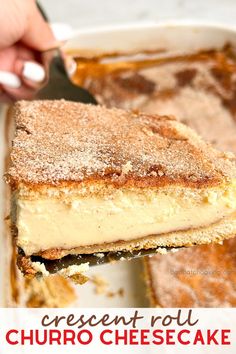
<point x="199" y="88"/>
<point x="88" y="180"/>
<point x="202" y="276"/>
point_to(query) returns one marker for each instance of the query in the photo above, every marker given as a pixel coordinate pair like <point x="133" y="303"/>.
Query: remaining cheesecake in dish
<point x="87" y="179"/>
<point x="198" y="88"/>
<point x="202" y="276"/>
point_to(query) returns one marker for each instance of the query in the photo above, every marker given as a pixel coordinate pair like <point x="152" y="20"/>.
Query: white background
<point x="87" y="13"/>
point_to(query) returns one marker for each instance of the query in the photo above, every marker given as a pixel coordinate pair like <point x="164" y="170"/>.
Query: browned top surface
<point x="202" y="276"/>
<point x="199" y="89"/>
<point x="59" y="141"/>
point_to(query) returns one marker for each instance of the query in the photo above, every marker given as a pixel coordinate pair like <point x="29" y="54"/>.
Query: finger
<point x="21" y="61"/>
<point x="5" y="98"/>
<point x="24" y="63"/>
<point x="23" y="92"/>
<point x="33" y="66"/>
<point x="13" y="17"/>
<point x="38" y="34"/>
<point x="32" y="74"/>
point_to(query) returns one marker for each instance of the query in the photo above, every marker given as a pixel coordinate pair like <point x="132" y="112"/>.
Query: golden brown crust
<point x="25" y="266"/>
<point x="66" y="143"/>
<point x="207" y="281"/>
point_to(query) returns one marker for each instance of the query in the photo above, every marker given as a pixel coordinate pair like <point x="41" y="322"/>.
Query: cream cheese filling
<point x="49" y="222"/>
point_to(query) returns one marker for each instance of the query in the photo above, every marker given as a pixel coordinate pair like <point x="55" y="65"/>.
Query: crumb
<point x="161" y="250"/>
<point x="74" y="270"/>
<point x="153" y="173"/>
<point x="52" y="291"/>
<point x="40" y="268"/>
<point x="100" y="283"/>
<point x="174" y="250"/>
<point x="110" y="294"/>
<point x="127" y="168"/>
<point x="123" y="259"/>
<point x="76" y="273"/>
<point x="99" y="255"/>
<point x="121" y="292"/>
<point x="79" y="278"/>
<point x="160" y="173"/>
<point x="102" y="287"/>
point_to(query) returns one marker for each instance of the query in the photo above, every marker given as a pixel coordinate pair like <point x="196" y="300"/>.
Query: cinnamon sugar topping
<point x="59" y="141"/>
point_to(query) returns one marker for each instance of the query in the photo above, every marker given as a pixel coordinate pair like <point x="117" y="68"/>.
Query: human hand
<point x="24" y="36"/>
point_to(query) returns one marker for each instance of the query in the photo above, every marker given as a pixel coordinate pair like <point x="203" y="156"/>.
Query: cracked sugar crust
<point x="59" y="142"/>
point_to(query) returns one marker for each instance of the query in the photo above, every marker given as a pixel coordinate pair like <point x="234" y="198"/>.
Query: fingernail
<point x="33" y="71"/>
<point x="61" y="31"/>
<point x="9" y="79"/>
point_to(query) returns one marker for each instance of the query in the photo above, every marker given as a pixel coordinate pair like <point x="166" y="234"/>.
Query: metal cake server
<point x="54" y="266"/>
<point x="60" y="86"/>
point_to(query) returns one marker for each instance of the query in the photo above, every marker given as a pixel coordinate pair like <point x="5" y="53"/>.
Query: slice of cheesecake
<point x="91" y="180"/>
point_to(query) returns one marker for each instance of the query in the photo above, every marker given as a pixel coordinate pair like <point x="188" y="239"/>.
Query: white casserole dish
<point x="174" y="36"/>
<point x="171" y="36"/>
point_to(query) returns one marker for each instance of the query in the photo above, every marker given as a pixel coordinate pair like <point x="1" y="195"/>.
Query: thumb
<point x="38" y="34"/>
